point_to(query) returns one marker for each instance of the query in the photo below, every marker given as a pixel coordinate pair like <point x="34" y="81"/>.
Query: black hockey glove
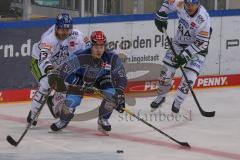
<point x="120" y="100"/>
<point x="161" y="21"/>
<point x="55" y="81"/>
<point x="182" y="58"/>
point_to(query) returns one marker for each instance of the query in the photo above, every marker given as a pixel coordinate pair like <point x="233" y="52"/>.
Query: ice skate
<point x="104" y="126"/>
<point x="59" y="125"/>
<point x="157" y="103"/>
<point x="175" y="107"/>
<point x="29" y="119"/>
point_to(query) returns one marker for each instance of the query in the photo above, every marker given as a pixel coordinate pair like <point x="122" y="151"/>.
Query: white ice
<point x="216" y="138"/>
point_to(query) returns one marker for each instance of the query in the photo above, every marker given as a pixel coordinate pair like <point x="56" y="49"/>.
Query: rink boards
<point x="136" y="87"/>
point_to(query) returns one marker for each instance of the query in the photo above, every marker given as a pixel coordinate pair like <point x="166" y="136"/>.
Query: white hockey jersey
<point x="194" y="32"/>
<point x="36" y="50"/>
<point x="52" y="51"/>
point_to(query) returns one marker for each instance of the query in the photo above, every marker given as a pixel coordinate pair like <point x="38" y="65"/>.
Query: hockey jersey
<point x="83" y="68"/>
<point x="52" y="51"/>
<point x="193" y="32"/>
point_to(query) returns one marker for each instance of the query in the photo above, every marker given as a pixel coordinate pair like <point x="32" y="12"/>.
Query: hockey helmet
<point x="98" y="37"/>
<point x="64" y="21"/>
<point x="192" y="1"/>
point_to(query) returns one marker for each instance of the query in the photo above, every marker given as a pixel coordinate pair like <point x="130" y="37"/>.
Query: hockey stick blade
<point x="12" y="141"/>
<point x="203" y="113"/>
<point x="184" y="144"/>
<point x="208" y="114"/>
<point x="15" y="143"/>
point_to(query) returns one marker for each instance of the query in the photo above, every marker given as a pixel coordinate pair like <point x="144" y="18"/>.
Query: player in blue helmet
<point x="190" y="43"/>
<point x="54" y="47"/>
<point x="191" y="6"/>
<point x="63" y="26"/>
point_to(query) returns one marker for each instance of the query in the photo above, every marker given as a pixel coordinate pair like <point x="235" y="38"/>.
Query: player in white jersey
<point x="190" y="43"/>
<point x="55" y="46"/>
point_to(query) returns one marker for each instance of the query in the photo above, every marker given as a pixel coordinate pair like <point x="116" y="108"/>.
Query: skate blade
<point x="101" y="130"/>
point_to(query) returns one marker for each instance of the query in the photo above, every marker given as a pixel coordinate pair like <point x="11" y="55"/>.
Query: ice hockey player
<point x="54" y="47"/>
<point x="98" y="68"/>
<point x="190" y="43"/>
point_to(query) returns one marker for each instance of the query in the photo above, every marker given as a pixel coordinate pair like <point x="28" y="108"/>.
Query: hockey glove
<point x="182" y="58"/>
<point x="55" y="81"/>
<point x="120" y="100"/>
<point x="161" y="21"/>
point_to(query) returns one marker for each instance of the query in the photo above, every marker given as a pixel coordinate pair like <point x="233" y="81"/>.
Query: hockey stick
<point x="185" y="144"/>
<point x="203" y="113"/>
<point x="13" y="141"/>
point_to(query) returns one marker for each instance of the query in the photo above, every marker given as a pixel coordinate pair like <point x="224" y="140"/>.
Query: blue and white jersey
<point x="192" y="31"/>
<point x="84" y="68"/>
<point x="52" y="51"/>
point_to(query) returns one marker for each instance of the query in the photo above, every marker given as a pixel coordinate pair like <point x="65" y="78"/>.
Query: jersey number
<point x="43" y="55"/>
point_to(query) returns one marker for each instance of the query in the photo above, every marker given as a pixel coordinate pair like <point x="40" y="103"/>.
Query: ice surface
<point x="215" y="138"/>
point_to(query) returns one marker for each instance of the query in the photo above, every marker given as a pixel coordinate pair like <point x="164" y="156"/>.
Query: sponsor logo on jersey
<point x="72" y="44"/>
<point x="193" y="25"/>
<point x="106" y="66"/>
<point x="212" y="81"/>
<point x="184" y="23"/>
<point x="200" y="19"/>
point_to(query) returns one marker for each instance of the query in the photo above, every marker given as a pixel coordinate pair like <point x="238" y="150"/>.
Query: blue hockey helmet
<point x="64" y="21"/>
<point x="192" y="1"/>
